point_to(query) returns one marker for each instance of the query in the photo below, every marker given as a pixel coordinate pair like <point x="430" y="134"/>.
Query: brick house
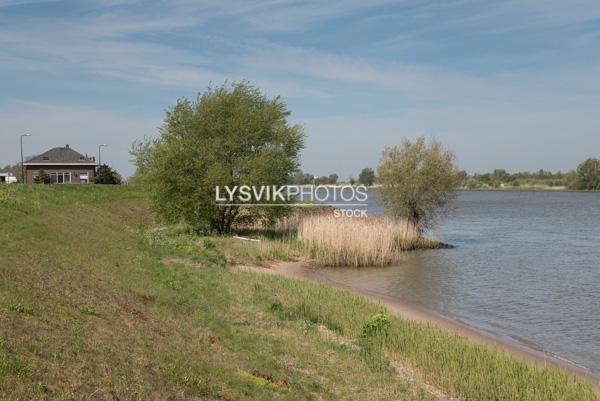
<point x="63" y="165"/>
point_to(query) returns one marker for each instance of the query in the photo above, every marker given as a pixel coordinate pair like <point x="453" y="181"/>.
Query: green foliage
<point x="500" y="178"/>
<point x="20" y="308"/>
<point x="376" y="327"/>
<point x="168" y="327"/>
<point x="301" y="178"/>
<point x="366" y="176"/>
<point x="588" y="175"/>
<point x="106" y="175"/>
<point x="418" y="181"/>
<point x="232" y="135"/>
<point x="330" y="179"/>
<point x="14" y="169"/>
<point x="88" y="310"/>
<point x="262" y="382"/>
<point x="42" y="178"/>
<point x="141" y="153"/>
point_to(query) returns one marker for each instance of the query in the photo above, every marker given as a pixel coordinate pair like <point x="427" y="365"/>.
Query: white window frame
<point x="62" y="174"/>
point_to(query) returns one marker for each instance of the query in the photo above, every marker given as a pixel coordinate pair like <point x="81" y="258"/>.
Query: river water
<point x="525" y="267"/>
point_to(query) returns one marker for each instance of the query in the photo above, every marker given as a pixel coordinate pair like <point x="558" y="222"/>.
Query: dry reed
<point x="339" y="241"/>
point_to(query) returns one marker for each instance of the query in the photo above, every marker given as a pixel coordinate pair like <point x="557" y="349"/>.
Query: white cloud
<point x="169" y="46"/>
<point x="8" y="3"/>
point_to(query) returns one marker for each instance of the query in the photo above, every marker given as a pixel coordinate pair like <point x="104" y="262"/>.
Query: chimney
<point x="67" y="146"/>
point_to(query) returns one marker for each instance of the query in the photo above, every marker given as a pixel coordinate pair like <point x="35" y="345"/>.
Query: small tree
<point x="588" y="174"/>
<point x="106" y="175"/>
<point x="332" y="179"/>
<point x="42" y="178"/>
<point x="418" y="181"/>
<point x="367" y="176"/>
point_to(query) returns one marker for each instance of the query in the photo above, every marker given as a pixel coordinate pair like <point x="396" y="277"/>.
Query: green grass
<point x="96" y="302"/>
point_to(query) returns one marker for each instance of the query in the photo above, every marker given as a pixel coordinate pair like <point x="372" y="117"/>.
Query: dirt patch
<point x="148" y="298"/>
<point x="407" y="373"/>
<point x="269" y="378"/>
<point x="138" y="314"/>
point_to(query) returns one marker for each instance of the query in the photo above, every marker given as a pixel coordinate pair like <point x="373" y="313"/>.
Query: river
<point x="525" y="267"/>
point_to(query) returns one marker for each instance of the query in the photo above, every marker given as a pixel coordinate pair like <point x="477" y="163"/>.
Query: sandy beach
<point x="303" y="270"/>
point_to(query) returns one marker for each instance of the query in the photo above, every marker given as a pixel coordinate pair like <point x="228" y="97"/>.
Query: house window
<point x="60" y="178"/>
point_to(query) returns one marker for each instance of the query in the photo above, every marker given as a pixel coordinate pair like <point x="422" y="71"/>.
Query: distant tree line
<point x="585" y="177"/>
<point x="299" y="177"/>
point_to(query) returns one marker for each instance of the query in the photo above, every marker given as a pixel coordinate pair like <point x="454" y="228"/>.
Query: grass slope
<point x="96" y="304"/>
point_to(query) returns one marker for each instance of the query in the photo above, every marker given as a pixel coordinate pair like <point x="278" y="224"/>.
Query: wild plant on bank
<point x="338" y="241"/>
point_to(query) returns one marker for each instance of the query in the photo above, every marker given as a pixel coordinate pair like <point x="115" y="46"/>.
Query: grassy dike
<point x="97" y="303"/>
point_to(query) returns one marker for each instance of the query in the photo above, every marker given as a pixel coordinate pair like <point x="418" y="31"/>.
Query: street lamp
<point x="99" y="154"/>
<point x="22" y="166"/>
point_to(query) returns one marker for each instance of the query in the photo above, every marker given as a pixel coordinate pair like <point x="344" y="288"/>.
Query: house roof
<point x="61" y="155"/>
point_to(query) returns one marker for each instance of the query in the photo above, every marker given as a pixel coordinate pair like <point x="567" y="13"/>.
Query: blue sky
<point x="506" y="84"/>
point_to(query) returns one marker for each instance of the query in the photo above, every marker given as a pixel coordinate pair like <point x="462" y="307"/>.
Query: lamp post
<point x="99" y="153"/>
<point x="22" y="166"/>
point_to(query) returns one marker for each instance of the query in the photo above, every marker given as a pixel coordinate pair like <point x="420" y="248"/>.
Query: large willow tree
<point x="231" y="135"/>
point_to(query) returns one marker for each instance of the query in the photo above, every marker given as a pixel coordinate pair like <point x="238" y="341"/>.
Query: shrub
<point x="376" y="327"/>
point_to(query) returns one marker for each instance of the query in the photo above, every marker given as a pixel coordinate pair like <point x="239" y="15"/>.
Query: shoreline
<point x="301" y="270"/>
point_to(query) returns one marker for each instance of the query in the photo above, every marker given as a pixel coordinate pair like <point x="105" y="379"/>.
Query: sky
<point x="503" y="84"/>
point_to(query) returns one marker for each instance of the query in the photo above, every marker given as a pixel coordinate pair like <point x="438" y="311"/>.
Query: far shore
<point x="304" y="271"/>
<point x="505" y="188"/>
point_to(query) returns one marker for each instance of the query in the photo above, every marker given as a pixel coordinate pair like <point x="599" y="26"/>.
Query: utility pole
<point x="22" y="166"/>
<point x="100" y="154"/>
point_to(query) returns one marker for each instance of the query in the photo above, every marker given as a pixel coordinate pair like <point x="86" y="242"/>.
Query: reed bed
<point x="372" y="241"/>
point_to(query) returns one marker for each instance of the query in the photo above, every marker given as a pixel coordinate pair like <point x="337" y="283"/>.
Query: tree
<point x="500" y="176"/>
<point x="330" y="179"/>
<point x="231" y="135"/>
<point x="141" y="151"/>
<point x="588" y="174"/>
<point x="300" y="178"/>
<point x="419" y="181"/>
<point x="14" y="169"/>
<point x="42" y="178"/>
<point x="366" y="176"/>
<point x="106" y="175"/>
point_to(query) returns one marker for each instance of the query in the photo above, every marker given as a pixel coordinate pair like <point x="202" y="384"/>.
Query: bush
<point x="588" y="175"/>
<point x="42" y="178"/>
<point x="106" y="175"/>
<point x="376" y="327"/>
